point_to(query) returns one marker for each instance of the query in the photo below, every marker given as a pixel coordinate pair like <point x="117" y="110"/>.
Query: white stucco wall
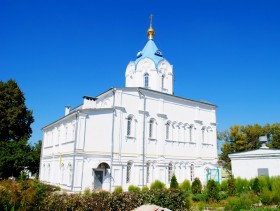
<point x="72" y="162"/>
<point x="246" y="164"/>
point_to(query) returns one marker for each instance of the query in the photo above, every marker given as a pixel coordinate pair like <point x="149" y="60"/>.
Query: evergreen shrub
<point x="173" y="183"/>
<point x="256" y="186"/>
<point x="212" y="191"/>
<point x="185" y="186"/>
<point x="157" y="185"/>
<point x="145" y="188"/>
<point x="133" y="188"/>
<point x="224" y="185"/>
<point x="196" y="186"/>
<point x="231" y="186"/>
<point x="118" y="189"/>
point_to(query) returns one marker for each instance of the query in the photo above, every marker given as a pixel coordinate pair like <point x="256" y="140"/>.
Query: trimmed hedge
<point x="171" y="199"/>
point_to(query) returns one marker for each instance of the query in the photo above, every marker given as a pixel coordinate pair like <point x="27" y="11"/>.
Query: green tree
<point x="15" y="130"/>
<point x="242" y="138"/>
<point x="33" y="157"/>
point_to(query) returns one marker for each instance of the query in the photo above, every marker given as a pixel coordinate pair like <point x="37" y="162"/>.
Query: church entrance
<point x="99" y="175"/>
<point x="98" y="179"/>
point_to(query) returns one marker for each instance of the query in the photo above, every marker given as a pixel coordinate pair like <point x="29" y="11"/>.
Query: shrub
<point x="118" y="189"/>
<point x="145" y="188"/>
<point x="256" y="186"/>
<point x="133" y="188"/>
<point x="266" y="196"/>
<point x="185" y="186"/>
<point x="265" y="182"/>
<point x="224" y="185"/>
<point x="245" y="201"/>
<point x="157" y="185"/>
<point x="24" y="195"/>
<point x="87" y="192"/>
<point x="241" y="186"/>
<point x="196" y="186"/>
<point x="275" y="187"/>
<point x="231" y="186"/>
<point x="212" y="191"/>
<point x="199" y="197"/>
<point x="173" y="199"/>
<point x="222" y="195"/>
<point x="173" y="183"/>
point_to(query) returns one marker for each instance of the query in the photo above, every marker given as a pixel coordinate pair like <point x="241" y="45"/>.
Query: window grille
<point x="62" y="173"/>
<point x="128" y="172"/>
<point x="49" y="172"/>
<point x="70" y="173"/>
<point x="148" y="172"/>
<point x="146" y="78"/>
<point x="191" y="133"/>
<point x="192" y="172"/>
<point x="129" y="121"/>
<point x="151" y="128"/>
<point x="167" y="130"/>
<point x="170" y="171"/>
<point x="203" y="134"/>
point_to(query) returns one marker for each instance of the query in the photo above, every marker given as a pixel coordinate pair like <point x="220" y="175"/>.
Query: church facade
<point x="132" y="135"/>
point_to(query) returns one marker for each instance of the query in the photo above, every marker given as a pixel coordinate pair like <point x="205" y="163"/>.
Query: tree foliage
<point x="243" y="138"/>
<point x="15" y="130"/>
<point x="15" y="118"/>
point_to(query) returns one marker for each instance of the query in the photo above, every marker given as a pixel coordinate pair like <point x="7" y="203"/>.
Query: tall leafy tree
<point x="243" y="138"/>
<point x="15" y="129"/>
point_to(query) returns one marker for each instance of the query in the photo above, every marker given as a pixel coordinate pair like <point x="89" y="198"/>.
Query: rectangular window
<point x="263" y="172"/>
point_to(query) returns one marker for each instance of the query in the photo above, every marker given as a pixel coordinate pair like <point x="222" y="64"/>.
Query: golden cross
<point x="151" y="19"/>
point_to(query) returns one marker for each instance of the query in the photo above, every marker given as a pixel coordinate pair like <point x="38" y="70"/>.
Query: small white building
<point x="132" y="135"/>
<point x="255" y="163"/>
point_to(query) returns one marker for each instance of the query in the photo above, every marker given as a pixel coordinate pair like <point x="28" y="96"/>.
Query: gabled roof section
<point x="256" y="153"/>
<point x="150" y="51"/>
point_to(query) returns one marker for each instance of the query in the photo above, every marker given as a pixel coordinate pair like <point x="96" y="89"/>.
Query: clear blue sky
<point x="223" y="52"/>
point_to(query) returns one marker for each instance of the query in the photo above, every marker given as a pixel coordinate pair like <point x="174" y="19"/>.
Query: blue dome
<point x="149" y="51"/>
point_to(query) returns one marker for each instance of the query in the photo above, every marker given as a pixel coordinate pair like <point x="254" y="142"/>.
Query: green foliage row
<point x="171" y="199"/>
<point x="33" y="195"/>
<point x="25" y="195"/>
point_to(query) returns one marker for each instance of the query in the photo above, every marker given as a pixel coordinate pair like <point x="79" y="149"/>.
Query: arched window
<point x="167" y="128"/>
<point x="170" y="171"/>
<point x="128" y="171"/>
<point x="148" y="172"/>
<point x="162" y="81"/>
<point x="129" y="123"/>
<point x="62" y="173"/>
<point x="152" y="128"/>
<point x="146" y="80"/>
<point x="203" y="134"/>
<point x="192" y="172"/>
<point x="70" y="171"/>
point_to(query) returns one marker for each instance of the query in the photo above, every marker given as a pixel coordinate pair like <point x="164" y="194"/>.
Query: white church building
<point x="132" y="135"/>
